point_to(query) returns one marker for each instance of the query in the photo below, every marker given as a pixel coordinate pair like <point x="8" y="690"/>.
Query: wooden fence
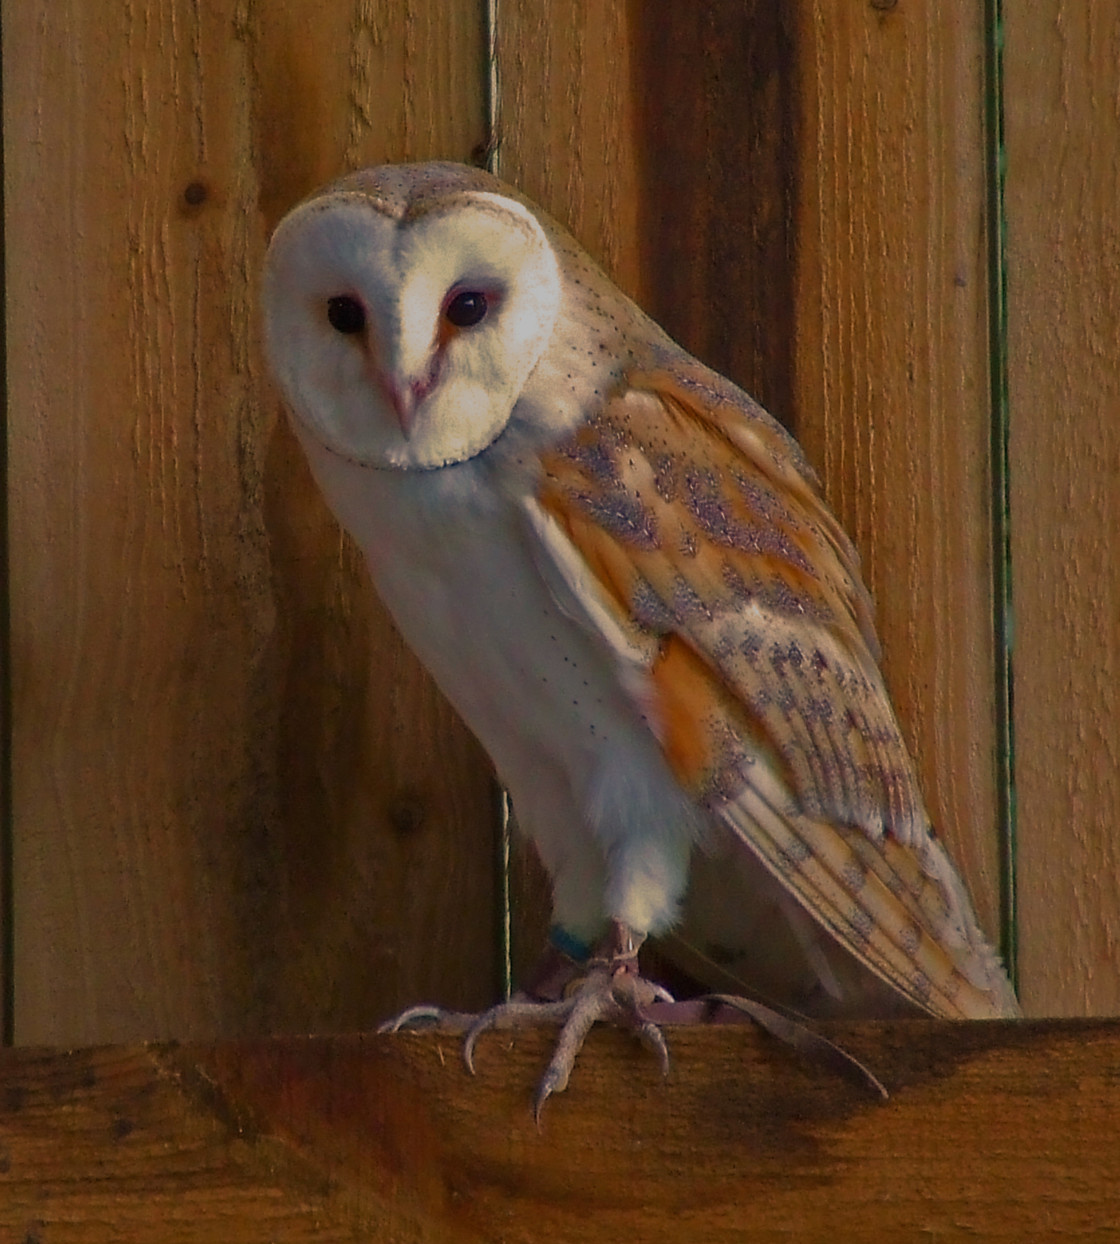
<point x="996" y="1132"/>
<point x="235" y="805"/>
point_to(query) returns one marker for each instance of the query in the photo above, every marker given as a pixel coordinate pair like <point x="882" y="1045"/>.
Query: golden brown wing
<point x="695" y="519"/>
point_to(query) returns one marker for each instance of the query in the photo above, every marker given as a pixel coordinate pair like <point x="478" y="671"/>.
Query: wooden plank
<point x="1063" y="185"/>
<point x="714" y="86"/>
<point x="567" y="122"/>
<point x="239" y="805"/>
<point x="891" y="370"/>
<point x="997" y="1131"/>
<point x="6" y="880"/>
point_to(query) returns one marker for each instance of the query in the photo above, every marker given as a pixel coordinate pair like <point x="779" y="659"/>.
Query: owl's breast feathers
<point x="707" y="545"/>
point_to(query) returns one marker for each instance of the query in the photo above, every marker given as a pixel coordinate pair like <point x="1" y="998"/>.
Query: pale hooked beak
<point x="403" y="382"/>
<point x="403" y="400"/>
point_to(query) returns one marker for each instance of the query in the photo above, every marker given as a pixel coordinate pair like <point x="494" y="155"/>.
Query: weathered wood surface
<point x="994" y="1131"/>
<point x="1063" y="188"/>
<point x="239" y="804"/>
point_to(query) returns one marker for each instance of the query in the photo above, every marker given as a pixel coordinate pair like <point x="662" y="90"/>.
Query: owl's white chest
<point x="450" y="558"/>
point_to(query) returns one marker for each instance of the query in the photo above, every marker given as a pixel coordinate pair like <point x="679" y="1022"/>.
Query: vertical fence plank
<point x="239" y="805"/>
<point x="1062" y="195"/>
<point x="6" y="913"/>
<point x="891" y="371"/>
<point x="567" y="122"/>
<point x="714" y="88"/>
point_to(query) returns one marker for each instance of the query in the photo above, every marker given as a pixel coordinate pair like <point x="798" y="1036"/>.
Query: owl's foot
<point x="607" y="988"/>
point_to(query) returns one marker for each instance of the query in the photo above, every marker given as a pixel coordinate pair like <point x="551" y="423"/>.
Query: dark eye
<point x="466" y="309"/>
<point x="346" y="314"/>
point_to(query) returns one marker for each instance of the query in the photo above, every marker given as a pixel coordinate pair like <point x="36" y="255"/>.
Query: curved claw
<point x="559" y="1069"/>
<point x="586" y="1010"/>
<point x="483" y="1024"/>
<point x="414" y="1015"/>
<point x="653" y="1039"/>
<point x="428" y="1016"/>
<point x="805" y="1041"/>
<point x="509" y="1015"/>
<point x="551" y="1082"/>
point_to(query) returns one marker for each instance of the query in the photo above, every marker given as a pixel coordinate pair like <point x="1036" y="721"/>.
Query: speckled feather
<point x="693" y="511"/>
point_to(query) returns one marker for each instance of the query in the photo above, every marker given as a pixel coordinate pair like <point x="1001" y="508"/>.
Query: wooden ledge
<point x="1000" y="1131"/>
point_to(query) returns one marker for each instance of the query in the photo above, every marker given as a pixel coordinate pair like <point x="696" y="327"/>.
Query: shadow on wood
<point x="999" y="1131"/>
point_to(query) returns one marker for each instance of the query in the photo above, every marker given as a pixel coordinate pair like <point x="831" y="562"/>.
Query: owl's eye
<point x="346" y="314"/>
<point x="466" y="309"/>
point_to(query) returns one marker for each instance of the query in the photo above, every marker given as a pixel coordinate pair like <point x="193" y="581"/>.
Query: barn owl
<point x="620" y="571"/>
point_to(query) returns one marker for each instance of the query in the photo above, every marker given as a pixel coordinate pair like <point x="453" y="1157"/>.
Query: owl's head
<point x="405" y="307"/>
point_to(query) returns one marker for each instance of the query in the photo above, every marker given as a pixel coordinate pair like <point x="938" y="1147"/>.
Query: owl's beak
<point x="404" y="372"/>
<point x="403" y="388"/>
<point x="403" y="401"/>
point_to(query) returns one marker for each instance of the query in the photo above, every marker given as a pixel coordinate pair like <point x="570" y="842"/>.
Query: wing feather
<point x="694" y="519"/>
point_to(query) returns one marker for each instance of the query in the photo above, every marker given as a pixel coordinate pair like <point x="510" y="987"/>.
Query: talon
<point x="805" y="1041"/>
<point x="545" y="1089"/>
<point x="483" y="1024"/>
<point x="413" y="1015"/>
<point x="654" y="1040"/>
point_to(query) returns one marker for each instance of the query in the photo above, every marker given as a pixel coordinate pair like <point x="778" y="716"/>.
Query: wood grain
<point x="995" y="1131"/>
<point x="891" y="371"/>
<point x="239" y="805"/>
<point x="661" y="138"/>
<point x="567" y="123"/>
<point x="1063" y="186"/>
<point x="714" y="88"/>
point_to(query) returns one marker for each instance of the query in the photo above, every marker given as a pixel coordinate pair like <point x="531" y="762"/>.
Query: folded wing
<point x="687" y="522"/>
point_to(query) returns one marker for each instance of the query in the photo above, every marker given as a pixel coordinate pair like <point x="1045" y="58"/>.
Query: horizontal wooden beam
<point x="1000" y="1131"/>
